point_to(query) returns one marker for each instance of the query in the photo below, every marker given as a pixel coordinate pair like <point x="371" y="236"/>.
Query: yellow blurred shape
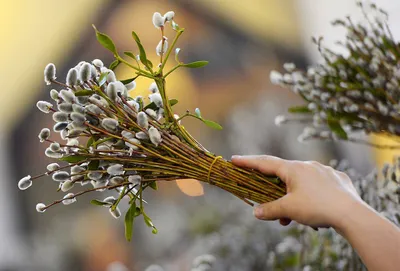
<point x="190" y="187"/>
<point x="384" y="155"/>
<point x="264" y="19"/>
<point x="35" y="33"/>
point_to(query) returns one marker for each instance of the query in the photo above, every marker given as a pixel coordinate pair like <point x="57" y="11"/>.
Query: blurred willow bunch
<point x="353" y="92"/>
<point x="327" y="250"/>
<point x="125" y="144"/>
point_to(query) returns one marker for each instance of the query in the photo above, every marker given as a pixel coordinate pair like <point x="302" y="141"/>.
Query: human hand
<point x="317" y="195"/>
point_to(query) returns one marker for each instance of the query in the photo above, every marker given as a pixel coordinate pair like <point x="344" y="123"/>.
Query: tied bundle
<point x="116" y="142"/>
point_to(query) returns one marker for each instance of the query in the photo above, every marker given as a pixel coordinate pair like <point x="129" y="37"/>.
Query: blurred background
<point x="244" y="41"/>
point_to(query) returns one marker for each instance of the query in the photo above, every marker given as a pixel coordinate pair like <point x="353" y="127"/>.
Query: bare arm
<point x="320" y="196"/>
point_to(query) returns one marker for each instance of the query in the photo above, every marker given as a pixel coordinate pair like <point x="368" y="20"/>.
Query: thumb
<point x="272" y="210"/>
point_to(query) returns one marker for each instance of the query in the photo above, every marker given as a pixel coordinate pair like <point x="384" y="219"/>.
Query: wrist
<point x="348" y="214"/>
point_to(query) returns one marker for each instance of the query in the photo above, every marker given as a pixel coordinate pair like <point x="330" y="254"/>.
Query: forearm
<point x="375" y="239"/>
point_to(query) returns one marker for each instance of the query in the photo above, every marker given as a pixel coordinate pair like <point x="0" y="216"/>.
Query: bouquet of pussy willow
<point x="116" y="142"/>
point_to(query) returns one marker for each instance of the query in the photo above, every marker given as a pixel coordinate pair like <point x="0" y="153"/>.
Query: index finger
<point x="269" y="165"/>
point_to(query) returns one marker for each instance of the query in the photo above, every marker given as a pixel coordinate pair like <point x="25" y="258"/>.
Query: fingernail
<point x="257" y="211"/>
<point x="235" y="156"/>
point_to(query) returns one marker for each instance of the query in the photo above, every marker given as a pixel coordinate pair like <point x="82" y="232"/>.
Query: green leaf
<point x="84" y="92"/>
<point x="142" y="52"/>
<point x="335" y="127"/>
<point x="103" y="78"/>
<point x="153" y="185"/>
<point x="129" y="217"/>
<point x="73" y="158"/>
<point x="93" y="165"/>
<point x="212" y="124"/>
<point x="138" y="212"/>
<point x="99" y="203"/>
<point x="173" y="102"/>
<point x="153" y="106"/>
<point x="147" y="220"/>
<point x="130" y="54"/>
<point x="196" y="64"/>
<point x="90" y="142"/>
<point x="127" y="81"/>
<point x="299" y="109"/>
<point x="106" y="41"/>
<point x="114" y="64"/>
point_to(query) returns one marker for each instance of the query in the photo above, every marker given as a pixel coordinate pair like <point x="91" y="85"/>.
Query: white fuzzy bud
<point x="93" y="72"/>
<point x="49" y="73"/>
<point x="109" y="124"/>
<point x="67" y="96"/>
<point x="116" y="180"/>
<point x="135" y="179"/>
<point x="92" y="108"/>
<point x="116" y="169"/>
<point x="142" y="120"/>
<point x="142" y="135"/>
<point x="169" y="16"/>
<point x="69" y="199"/>
<point x="155" y="136"/>
<point x="134" y="105"/>
<point x="308" y="133"/>
<point x="153" y="87"/>
<point x="72" y="142"/>
<point x="67" y="185"/>
<point x="53" y="167"/>
<point x="77" y="169"/>
<point x="60" y="176"/>
<point x="78" y="117"/>
<point x="65" y="107"/>
<point x="115" y="213"/>
<point x="58" y="127"/>
<point x="85" y="72"/>
<point x="130" y="86"/>
<point x="289" y="67"/>
<point x="160" y="49"/>
<point x="275" y="77"/>
<point x="156" y="99"/>
<point x="111" y="76"/>
<point x="112" y="91"/>
<point x="279" y="120"/>
<point x="55" y="147"/>
<point x="74" y="133"/>
<point x="60" y="117"/>
<point x="93" y="175"/>
<point x="111" y="200"/>
<point x="54" y="95"/>
<point x="78" y="108"/>
<point x="132" y="142"/>
<point x="98" y="63"/>
<point x="152" y="114"/>
<point x="25" y="183"/>
<point x="49" y="153"/>
<point x="127" y="134"/>
<point x="40" y="208"/>
<point x="72" y="77"/>
<point x="44" y="134"/>
<point x="44" y="106"/>
<point x="158" y="20"/>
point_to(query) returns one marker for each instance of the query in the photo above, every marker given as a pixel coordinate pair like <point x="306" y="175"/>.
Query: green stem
<point x="140" y="71"/>
<point x="173" y="69"/>
<point x="179" y="33"/>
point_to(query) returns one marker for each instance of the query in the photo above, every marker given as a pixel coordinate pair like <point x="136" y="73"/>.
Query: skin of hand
<point x="319" y="196"/>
